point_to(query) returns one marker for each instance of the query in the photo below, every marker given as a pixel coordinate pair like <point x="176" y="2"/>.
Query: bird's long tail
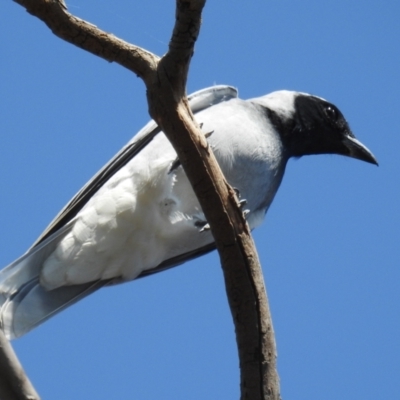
<point x="24" y="303"/>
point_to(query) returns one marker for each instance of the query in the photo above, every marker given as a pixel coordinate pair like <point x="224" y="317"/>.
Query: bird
<point x="139" y="215"/>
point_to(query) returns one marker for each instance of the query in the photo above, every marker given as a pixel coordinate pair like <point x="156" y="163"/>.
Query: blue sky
<point x="329" y="246"/>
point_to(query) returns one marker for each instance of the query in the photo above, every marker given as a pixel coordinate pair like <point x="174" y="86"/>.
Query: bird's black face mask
<point x="318" y="127"/>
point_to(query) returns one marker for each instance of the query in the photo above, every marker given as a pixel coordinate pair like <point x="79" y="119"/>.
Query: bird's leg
<point x="204" y="226"/>
<point x="176" y="163"/>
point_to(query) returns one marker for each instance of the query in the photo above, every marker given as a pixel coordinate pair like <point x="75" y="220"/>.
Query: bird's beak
<point x="358" y="150"/>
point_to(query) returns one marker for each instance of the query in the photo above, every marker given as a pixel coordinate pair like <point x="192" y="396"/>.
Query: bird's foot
<point x="241" y="202"/>
<point x="174" y="165"/>
<point x="202" y="225"/>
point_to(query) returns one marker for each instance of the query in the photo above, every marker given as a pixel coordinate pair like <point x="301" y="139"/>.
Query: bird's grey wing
<point x="29" y="305"/>
<point x="198" y="101"/>
<point x="24" y="302"/>
<point x="178" y="260"/>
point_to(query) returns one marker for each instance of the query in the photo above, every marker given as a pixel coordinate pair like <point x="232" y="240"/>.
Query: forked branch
<point x="165" y="80"/>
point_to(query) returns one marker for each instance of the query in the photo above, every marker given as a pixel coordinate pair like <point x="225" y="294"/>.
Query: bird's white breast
<point x="146" y="214"/>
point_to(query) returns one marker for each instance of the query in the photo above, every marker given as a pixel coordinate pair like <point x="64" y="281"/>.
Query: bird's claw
<point x="242" y="203"/>
<point x="176" y="163"/>
<point x="207" y="134"/>
<point x="205" y="228"/>
<point x="203" y="225"/>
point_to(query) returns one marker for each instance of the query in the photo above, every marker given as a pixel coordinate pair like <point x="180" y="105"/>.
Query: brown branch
<point x="165" y="80"/>
<point x="14" y="384"/>
<point x="90" y="38"/>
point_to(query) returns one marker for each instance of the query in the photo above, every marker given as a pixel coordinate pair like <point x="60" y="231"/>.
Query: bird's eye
<point x="331" y="113"/>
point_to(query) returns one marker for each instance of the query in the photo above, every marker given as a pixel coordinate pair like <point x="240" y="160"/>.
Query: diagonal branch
<point x="14" y="384"/>
<point x="90" y="38"/>
<point x="165" y="81"/>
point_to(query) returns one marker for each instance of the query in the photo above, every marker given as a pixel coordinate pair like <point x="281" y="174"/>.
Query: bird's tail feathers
<point x="31" y="305"/>
<point x="24" y="303"/>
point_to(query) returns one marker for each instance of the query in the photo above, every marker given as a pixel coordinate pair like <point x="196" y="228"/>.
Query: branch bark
<point x="14" y="383"/>
<point x="165" y="80"/>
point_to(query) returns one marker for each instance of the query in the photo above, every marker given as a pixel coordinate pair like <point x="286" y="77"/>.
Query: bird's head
<point x="311" y="125"/>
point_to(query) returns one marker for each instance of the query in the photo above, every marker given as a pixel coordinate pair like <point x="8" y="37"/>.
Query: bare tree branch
<point x="90" y="38"/>
<point x="14" y="384"/>
<point x="165" y="81"/>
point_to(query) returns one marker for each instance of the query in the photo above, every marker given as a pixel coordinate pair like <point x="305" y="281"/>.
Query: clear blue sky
<point x="329" y="246"/>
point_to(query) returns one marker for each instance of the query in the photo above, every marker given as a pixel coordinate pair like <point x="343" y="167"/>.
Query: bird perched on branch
<point x="139" y="214"/>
